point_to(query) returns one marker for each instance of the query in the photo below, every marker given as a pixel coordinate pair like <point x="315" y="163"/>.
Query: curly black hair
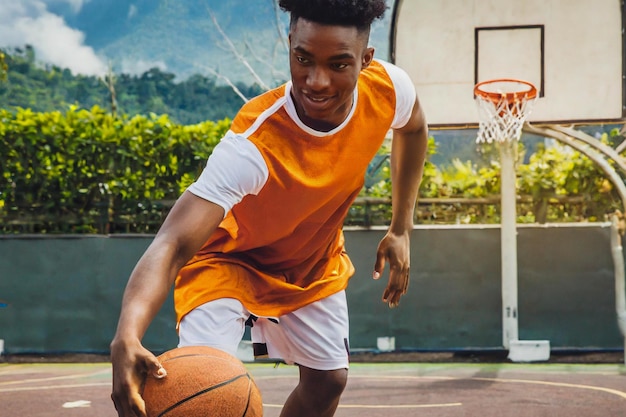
<point x="358" y="13"/>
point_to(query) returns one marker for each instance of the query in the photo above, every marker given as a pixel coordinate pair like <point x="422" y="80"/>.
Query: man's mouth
<point x="318" y="99"/>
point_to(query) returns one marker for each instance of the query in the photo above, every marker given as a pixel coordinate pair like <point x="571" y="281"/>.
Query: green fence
<point x="63" y="293"/>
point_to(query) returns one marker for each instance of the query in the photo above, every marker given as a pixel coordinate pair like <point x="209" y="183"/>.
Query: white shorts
<point x="315" y="336"/>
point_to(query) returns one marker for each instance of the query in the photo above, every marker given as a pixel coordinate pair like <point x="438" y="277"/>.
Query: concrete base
<point x="386" y="344"/>
<point x="529" y="350"/>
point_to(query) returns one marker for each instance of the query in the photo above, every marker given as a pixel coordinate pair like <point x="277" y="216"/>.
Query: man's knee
<point x="325" y="384"/>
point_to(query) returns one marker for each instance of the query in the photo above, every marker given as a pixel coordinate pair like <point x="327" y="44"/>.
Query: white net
<point x="502" y="120"/>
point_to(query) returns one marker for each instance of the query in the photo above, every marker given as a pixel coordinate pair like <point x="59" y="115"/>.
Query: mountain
<point x="179" y="36"/>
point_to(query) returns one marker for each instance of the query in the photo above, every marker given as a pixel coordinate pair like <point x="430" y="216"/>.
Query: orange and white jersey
<point x="286" y="190"/>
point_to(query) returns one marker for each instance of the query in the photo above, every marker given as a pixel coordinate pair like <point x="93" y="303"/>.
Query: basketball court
<point x="572" y="54"/>
<point x="394" y="389"/>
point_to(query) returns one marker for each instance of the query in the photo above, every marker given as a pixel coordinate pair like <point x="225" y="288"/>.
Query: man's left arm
<point x="408" y="154"/>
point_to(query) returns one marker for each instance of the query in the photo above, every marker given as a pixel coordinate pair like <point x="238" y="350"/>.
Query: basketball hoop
<point x="503" y="106"/>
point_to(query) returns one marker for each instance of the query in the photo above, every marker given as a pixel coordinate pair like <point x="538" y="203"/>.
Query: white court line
<point x="77" y="404"/>
<point x="49" y="387"/>
<point x="397" y="406"/>
<point x="385" y="407"/>
<point x="54" y="378"/>
<point x="619" y="393"/>
<point x="372" y="406"/>
<point x="616" y="392"/>
<point x="558" y="384"/>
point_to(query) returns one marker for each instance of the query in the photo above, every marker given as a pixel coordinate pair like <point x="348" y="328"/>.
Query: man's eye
<point x="340" y="66"/>
<point x="302" y="59"/>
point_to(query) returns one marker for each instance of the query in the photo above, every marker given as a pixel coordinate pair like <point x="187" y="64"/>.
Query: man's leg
<point x="315" y="338"/>
<point x="317" y="394"/>
<point x="219" y="324"/>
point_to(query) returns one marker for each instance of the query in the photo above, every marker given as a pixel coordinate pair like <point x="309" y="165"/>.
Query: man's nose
<point x="318" y="78"/>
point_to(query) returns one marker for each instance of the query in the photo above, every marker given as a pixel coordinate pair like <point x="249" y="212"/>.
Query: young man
<point x="258" y="238"/>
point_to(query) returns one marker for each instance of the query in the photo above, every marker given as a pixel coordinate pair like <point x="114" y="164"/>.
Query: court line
<point x="385" y="407"/>
<point x="619" y="393"/>
<point x="49" y="387"/>
<point x="366" y="406"/>
<point x="558" y="384"/>
<point x="612" y="391"/>
<point x="55" y="378"/>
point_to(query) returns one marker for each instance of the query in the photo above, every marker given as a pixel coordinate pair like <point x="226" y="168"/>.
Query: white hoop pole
<point x="620" y="283"/>
<point x="501" y="117"/>
<point x="508" y="241"/>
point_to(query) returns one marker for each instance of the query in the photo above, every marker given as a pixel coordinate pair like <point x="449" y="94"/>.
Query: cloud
<point x="75" y="5"/>
<point x="28" y="22"/>
<point x="139" y="66"/>
<point x="132" y="11"/>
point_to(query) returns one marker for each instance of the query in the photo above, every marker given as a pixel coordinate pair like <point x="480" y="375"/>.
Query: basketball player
<point x="258" y="237"/>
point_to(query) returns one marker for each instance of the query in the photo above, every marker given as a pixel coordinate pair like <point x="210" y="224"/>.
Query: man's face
<point x="325" y="63"/>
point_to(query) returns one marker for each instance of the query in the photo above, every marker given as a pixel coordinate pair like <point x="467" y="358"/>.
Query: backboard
<point x="571" y="50"/>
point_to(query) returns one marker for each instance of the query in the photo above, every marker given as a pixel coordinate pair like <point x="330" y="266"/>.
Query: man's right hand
<point x="188" y="225"/>
<point x="131" y="362"/>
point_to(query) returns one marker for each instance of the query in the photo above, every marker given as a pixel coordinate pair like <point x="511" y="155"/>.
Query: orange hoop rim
<point x="509" y="96"/>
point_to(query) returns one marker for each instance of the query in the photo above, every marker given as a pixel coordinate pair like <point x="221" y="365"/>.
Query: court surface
<point x="392" y="389"/>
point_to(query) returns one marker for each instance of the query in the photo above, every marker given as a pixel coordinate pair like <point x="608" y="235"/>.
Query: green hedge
<point x="554" y="184"/>
<point x="88" y="171"/>
<point x="93" y="172"/>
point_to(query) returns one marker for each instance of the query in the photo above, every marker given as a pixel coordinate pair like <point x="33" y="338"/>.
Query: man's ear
<point x="368" y="57"/>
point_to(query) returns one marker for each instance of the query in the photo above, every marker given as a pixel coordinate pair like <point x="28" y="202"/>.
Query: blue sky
<point x="33" y="22"/>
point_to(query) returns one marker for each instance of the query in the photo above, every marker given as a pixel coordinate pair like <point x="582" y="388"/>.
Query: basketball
<point x="201" y="381"/>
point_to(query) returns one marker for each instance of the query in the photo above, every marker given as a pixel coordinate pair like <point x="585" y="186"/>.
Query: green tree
<point x="47" y="88"/>
<point x="4" y="68"/>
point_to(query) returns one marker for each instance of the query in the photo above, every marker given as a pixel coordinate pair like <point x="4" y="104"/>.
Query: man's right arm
<point x="189" y="224"/>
